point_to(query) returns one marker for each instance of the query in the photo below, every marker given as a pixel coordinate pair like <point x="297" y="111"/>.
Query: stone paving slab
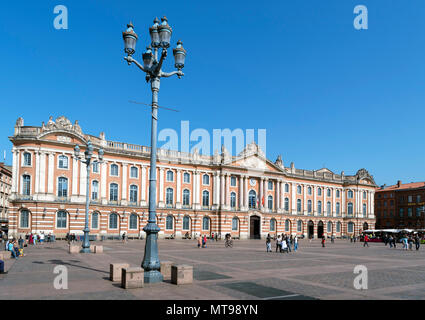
<point x="312" y="272"/>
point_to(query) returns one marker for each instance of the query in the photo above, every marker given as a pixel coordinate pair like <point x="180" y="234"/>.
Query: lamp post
<point x="160" y="38"/>
<point x="88" y="154"/>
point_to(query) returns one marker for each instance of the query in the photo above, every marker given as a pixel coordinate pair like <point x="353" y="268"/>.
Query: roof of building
<point x="403" y="186"/>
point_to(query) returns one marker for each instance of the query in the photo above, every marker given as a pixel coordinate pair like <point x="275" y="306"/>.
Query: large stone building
<point x="246" y="195"/>
<point x="5" y="190"/>
<point x="400" y="206"/>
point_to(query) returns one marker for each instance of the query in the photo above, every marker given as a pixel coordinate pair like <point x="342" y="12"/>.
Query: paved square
<point x="245" y="271"/>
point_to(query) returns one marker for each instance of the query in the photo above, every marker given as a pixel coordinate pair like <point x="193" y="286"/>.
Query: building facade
<point x="5" y="190"/>
<point x="246" y="195"/>
<point x="400" y="206"/>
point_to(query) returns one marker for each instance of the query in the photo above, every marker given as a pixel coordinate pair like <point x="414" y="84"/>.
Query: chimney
<point x="399" y="183"/>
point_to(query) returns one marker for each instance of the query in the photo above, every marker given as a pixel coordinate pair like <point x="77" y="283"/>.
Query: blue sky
<point x="328" y="94"/>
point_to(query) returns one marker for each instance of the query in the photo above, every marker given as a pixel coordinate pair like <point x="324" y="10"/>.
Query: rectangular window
<point x="270" y="185"/>
<point x="95" y="167"/>
<point x="134" y="172"/>
<point x="410" y="199"/>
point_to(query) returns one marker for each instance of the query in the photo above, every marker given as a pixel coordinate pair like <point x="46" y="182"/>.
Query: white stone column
<point x="246" y="196"/>
<point x="124" y="182"/>
<point x="282" y="195"/>
<point x="216" y="190"/>
<point x="194" y="188"/>
<point x="304" y="199"/>
<point x="314" y="201"/>
<point x="333" y="203"/>
<point x="42" y="188"/>
<point x="15" y="164"/>
<point x="83" y="180"/>
<point x="103" y="182"/>
<point x="324" y="205"/>
<point x="343" y="207"/>
<point x="143" y="186"/>
<point x="293" y="198"/>
<point x="227" y="195"/>
<point x="260" y="206"/>
<point x="222" y="189"/>
<point x="161" y="203"/>
<point x="37" y="174"/>
<point x="50" y="174"/>
<point x="277" y="188"/>
<point x="179" y="189"/>
<point x="241" y="193"/>
<point x="74" y="188"/>
<point x="198" y="190"/>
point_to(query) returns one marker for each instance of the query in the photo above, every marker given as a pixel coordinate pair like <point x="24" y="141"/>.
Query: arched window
<point x="337" y="208"/>
<point x="169" y="223"/>
<point x="94" y="190"/>
<point x="62" y="187"/>
<point x="26" y="186"/>
<point x="270" y="202"/>
<point x="61" y="219"/>
<point x="329" y="226"/>
<point x="133" y="193"/>
<point x="134" y="172"/>
<point x="114" y="170"/>
<point x="270" y="185"/>
<point x="350" y="208"/>
<point x="186" y="222"/>
<point x="299" y="189"/>
<point x="338" y="226"/>
<point x="287" y="223"/>
<point x="24" y="221"/>
<point x="205" y="223"/>
<point x="337" y="193"/>
<point x="113" y="221"/>
<point x="186" y="197"/>
<point x="95" y="220"/>
<point x="233" y="200"/>
<point x="186" y="177"/>
<point x="309" y="190"/>
<point x="328" y="208"/>
<point x="309" y="206"/>
<point x="299" y="205"/>
<point x="286" y="204"/>
<point x="286" y="187"/>
<point x="272" y="225"/>
<point x="205" y="198"/>
<point x="27" y="159"/>
<point x="299" y="226"/>
<point x="252" y="199"/>
<point x="328" y="192"/>
<point x="113" y="192"/>
<point x="206" y="179"/>
<point x="63" y="162"/>
<point x="364" y="209"/>
<point x="350" y="194"/>
<point x="319" y="191"/>
<point x="235" y="224"/>
<point x="170" y="176"/>
<point x="364" y="195"/>
<point x="319" y="207"/>
<point x="133" y="221"/>
<point x="169" y="197"/>
<point x="350" y="227"/>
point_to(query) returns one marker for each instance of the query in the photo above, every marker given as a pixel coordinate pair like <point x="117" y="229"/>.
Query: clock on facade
<point x="252" y="182"/>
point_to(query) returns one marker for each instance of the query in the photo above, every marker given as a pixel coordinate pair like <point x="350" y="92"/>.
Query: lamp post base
<point x="153" y="276"/>
<point x="85" y="250"/>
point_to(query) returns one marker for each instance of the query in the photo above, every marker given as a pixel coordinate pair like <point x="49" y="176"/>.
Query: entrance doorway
<point x="254" y="227"/>
<point x="320" y="229"/>
<point x="310" y="229"/>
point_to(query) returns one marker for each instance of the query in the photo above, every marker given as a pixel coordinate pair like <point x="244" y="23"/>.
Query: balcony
<point x="23" y="197"/>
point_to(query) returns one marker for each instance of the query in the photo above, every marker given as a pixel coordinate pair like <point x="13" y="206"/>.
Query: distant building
<point x="5" y="191"/>
<point x="246" y="195"/>
<point x="400" y="206"/>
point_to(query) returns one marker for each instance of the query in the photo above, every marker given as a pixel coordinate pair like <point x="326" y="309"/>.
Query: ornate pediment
<point x="62" y="123"/>
<point x="324" y="170"/>
<point x="363" y="174"/>
<point x="252" y="149"/>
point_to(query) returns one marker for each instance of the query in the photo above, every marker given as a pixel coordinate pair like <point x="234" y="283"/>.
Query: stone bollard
<point x="132" y="278"/>
<point x="98" y="249"/>
<point x="115" y="271"/>
<point x="92" y="248"/>
<point x="74" y="249"/>
<point x="181" y="274"/>
<point x="166" y="269"/>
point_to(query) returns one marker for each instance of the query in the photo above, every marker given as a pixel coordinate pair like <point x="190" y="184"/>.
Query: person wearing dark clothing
<point x="417" y="242"/>
<point x="323" y="241"/>
<point x="2" y="267"/>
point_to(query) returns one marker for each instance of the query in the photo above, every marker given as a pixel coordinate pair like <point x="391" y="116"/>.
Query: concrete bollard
<point x="132" y="278"/>
<point x="166" y="269"/>
<point x="115" y="271"/>
<point x="181" y="274"/>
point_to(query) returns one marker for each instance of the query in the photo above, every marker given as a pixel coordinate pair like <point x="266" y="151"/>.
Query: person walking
<point x="288" y="243"/>
<point x="332" y="238"/>
<point x="417" y="242"/>
<point x="404" y="242"/>
<point x="268" y="244"/>
<point x="410" y="241"/>
<point x="366" y="239"/>
<point x="199" y="241"/>
<point x="323" y="241"/>
<point x="278" y="244"/>
<point x="295" y="243"/>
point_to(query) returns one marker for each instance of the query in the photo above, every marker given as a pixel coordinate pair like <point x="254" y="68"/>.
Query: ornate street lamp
<point x="88" y="154"/>
<point x="160" y="38"/>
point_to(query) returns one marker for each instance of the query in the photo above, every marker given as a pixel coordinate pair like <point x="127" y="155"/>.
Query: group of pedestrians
<point x="202" y="241"/>
<point x="284" y="243"/>
<point x="406" y="240"/>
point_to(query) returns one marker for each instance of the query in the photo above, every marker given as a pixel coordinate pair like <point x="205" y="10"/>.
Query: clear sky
<point x="328" y="94"/>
